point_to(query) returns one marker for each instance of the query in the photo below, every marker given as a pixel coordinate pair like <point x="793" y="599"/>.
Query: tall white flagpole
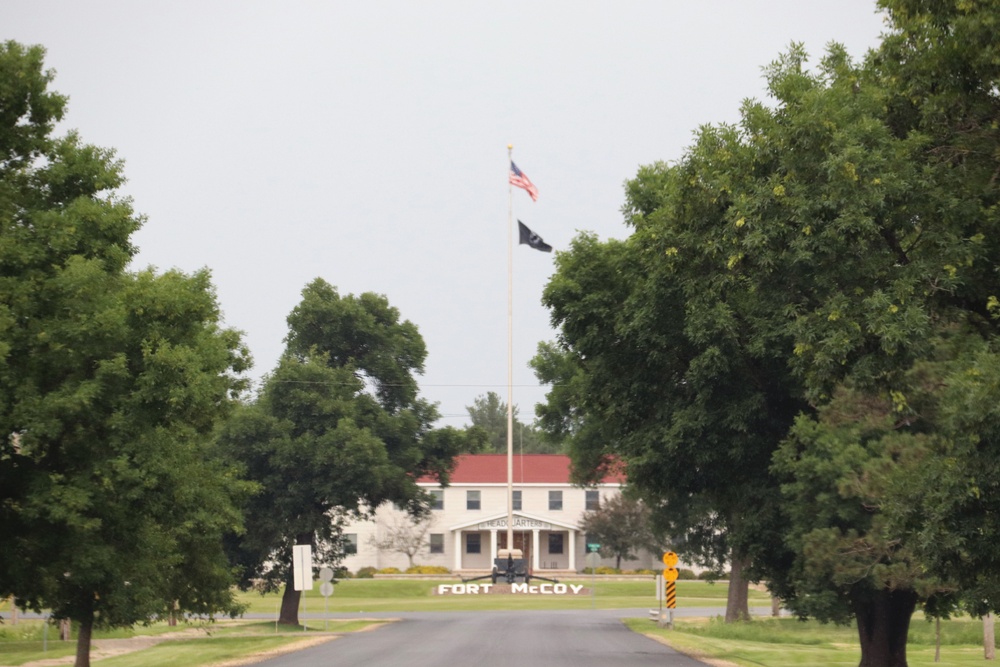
<point x="510" y="351"/>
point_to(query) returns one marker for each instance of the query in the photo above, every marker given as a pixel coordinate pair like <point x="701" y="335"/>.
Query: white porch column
<point x="572" y="550"/>
<point x="458" y="550"/>
<point x="493" y="545"/>
<point x="534" y="549"/>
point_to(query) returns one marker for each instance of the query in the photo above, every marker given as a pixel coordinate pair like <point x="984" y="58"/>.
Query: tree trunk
<point x="883" y="622"/>
<point x="290" y="605"/>
<point x="65" y="629"/>
<point x="937" y="639"/>
<point x="738" y="598"/>
<point x="989" y="642"/>
<point x="83" y="641"/>
<point x="289" y="614"/>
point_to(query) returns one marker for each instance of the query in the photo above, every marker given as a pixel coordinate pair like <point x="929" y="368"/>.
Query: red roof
<point x="527" y="469"/>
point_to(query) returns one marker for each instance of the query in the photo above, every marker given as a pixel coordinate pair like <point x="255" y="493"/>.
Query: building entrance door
<point x="522" y="541"/>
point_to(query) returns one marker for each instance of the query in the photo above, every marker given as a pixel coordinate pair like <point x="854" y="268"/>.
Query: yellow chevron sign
<point x="670" y="595"/>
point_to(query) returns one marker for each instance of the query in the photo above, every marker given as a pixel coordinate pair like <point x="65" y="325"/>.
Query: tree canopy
<point x="797" y="342"/>
<point x="489" y="413"/>
<point x="621" y="525"/>
<point x="337" y="430"/>
<point x="112" y="508"/>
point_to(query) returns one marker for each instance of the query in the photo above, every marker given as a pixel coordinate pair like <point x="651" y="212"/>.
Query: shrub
<point x="389" y="570"/>
<point x="709" y="575"/>
<point x="684" y="573"/>
<point x="427" y="569"/>
<point x="365" y="573"/>
<point x="344" y="573"/>
<point x="604" y="569"/>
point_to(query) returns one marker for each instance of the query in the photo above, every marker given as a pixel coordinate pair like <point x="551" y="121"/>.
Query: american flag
<point x="520" y="179"/>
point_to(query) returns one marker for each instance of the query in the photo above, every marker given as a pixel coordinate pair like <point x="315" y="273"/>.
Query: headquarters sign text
<point x="519" y="522"/>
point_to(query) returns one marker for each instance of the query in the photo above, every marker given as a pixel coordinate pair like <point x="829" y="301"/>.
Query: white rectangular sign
<point x="302" y="567"/>
<point x="660" y="592"/>
<point x="520" y="522"/>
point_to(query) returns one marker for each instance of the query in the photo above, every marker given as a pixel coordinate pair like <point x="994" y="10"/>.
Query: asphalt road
<point x="578" y="638"/>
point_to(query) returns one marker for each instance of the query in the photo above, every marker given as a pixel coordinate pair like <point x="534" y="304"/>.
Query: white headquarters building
<point x="469" y="520"/>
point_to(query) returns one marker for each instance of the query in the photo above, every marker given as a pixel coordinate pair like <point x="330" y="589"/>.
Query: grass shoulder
<point x="788" y="642"/>
<point x="194" y="645"/>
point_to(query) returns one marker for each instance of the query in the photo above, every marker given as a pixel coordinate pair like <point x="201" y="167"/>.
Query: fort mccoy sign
<point x="515" y="589"/>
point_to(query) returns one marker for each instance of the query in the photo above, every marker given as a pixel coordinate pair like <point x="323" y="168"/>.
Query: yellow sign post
<point x="670" y="575"/>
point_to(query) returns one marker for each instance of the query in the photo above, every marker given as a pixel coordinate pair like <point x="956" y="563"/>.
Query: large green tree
<point x="112" y="508"/>
<point x="669" y="382"/>
<point x="812" y="258"/>
<point x="337" y="430"/>
<point x="868" y="218"/>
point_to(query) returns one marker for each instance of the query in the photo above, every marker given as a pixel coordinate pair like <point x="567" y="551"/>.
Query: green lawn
<point x="226" y="640"/>
<point x="204" y="643"/>
<point x="197" y="652"/>
<point x="763" y="642"/>
<point x="771" y="642"/>
<point x="361" y="595"/>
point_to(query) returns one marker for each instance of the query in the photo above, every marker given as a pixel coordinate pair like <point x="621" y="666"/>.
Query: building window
<point x="555" y="543"/>
<point x="437" y="543"/>
<point x="350" y="543"/>
<point x="517" y="500"/>
<point x="472" y="501"/>
<point x="437" y="499"/>
<point x="472" y="543"/>
<point x="555" y="500"/>
<point x="593" y="499"/>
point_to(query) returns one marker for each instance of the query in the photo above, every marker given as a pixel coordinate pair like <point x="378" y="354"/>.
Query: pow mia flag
<point x="531" y="238"/>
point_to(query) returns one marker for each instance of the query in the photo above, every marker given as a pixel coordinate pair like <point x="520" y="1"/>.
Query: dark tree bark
<point x="738" y="598"/>
<point x="289" y="614"/>
<point x="883" y="622"/>
<point x="83" y="641"/>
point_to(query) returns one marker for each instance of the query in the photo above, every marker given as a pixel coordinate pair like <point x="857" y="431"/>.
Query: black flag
<point x="532" y="239"/>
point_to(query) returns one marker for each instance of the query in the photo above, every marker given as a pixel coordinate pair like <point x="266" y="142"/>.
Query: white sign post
<point x="593" y="560"/>
<point x="326" y="590"/>
<point x="660" y="595"/>
<point x="302" y="567"/>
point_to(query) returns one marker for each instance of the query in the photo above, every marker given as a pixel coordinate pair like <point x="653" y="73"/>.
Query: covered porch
<point x="548" y="545"/>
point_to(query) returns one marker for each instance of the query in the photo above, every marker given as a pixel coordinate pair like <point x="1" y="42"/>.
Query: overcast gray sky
<point x="366" y="142"/>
